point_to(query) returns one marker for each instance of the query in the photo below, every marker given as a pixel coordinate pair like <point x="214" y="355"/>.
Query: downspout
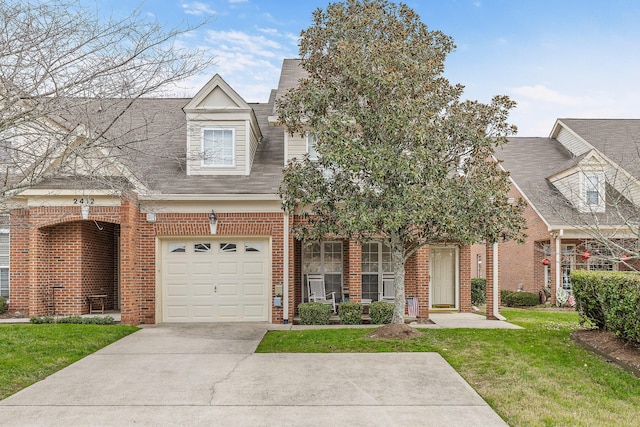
<point x="285" y="274"/>
<point x="558" y="261"/>
<point x="496" y="293"/>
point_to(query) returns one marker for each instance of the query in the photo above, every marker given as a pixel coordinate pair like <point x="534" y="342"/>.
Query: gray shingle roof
<point x="618" y="139"/>
<point x="290" y="75"/>
<point x="530" y="161"/>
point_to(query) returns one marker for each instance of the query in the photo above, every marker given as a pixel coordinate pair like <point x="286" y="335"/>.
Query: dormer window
<point x="311" y="147"/>
<point x="593" y="192"/>
<point x="218" y="147"/>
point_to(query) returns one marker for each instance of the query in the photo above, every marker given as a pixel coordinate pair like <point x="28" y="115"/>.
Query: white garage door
<point x="206" y="280"/>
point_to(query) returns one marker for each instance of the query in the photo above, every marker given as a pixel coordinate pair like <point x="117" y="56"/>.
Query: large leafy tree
<point x="400" y="155"/>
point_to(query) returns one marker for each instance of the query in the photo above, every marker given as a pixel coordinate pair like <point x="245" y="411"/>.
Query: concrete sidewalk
<point x="209" y="375"/>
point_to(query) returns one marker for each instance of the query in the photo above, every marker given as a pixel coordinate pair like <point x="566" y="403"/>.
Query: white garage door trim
<point x="215" y="280"/>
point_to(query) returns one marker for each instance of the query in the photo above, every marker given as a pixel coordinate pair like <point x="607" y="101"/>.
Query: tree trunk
<point x="397" y="255"/>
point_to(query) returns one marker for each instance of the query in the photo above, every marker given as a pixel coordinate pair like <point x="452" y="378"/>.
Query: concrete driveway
<point x="202" y="375"/>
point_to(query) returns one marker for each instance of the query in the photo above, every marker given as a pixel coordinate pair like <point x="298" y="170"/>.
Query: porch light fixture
<point x="586" y="255"/>
<point x="84" y="210"/>
<point x="213" y="222"/>
<point x="546" y="261"/>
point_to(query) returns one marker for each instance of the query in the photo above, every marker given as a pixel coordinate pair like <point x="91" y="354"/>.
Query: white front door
<point x="222" y="280"/>
<point x="443" y="277"/>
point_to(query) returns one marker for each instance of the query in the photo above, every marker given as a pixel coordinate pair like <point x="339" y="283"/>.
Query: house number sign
<point x="83" y="200"/>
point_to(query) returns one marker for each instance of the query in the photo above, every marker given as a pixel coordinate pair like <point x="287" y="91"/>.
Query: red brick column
<point x="489" y="287"/>
<point x="354" y="272"/>
<point x="19" y="250"/>
<point x="422" y="281"/>
<point x="465" y="279"/>
<point x="39" y="292"/>
<point x="130" y="286"/>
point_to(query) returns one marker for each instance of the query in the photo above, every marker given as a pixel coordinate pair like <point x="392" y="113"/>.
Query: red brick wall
<point x="466" y="263"/>
<point x="520" y="264"/>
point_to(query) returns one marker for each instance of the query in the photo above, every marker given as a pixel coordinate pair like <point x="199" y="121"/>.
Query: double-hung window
<point x="218" y="147"/>
<point x="311" y="147"/>
<point x="4" y="264"/>
<point x="592" y="187"/>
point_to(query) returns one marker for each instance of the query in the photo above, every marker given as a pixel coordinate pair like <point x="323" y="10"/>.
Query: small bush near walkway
<point x="350" y="313"/>
<point x="478" y="291"/>
<point x="609" y="300"/>
<point x="521" y="299"/>
<point x="314" y="313"/>
<point x="381" y="312"/>
<point x="76" y="320"/>
<point x="3" y="305"/>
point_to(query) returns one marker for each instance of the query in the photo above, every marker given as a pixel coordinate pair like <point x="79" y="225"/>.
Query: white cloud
<point x="477" y="3"/>
<point x="268" y="30"/>
<point x="238" y="41"/>
<point x="238" y="1"/>
<point x="543" y="93"/>
<point x="197" y="8"/>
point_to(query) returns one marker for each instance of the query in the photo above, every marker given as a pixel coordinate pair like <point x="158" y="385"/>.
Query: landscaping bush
<point x="522" y="299"/>
<point x="76" y="320"/>
<point x="478" y="291"/>
<point x="314" y="313"/>
<point x="3" y="305"/>
<point x="504" y="296"/>
<point x="350" y="313"/>
<point x="609" y="300"/>
<point x="381" y="312"/>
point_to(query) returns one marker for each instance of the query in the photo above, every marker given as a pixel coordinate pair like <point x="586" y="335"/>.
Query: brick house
<point x="188" y="227"/>
<point x="583" y="180"/>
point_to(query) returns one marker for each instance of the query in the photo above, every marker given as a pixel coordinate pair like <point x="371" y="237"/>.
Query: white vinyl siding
<point x="296" y="147"/>
<point x="572" y="143"/>
<point x="4" y="264"/>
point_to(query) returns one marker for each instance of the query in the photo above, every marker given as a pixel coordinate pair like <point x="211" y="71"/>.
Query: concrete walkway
<point x="208" y="374"/>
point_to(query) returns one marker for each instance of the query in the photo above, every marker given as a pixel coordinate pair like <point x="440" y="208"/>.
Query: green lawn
<point x="532" y="377"/>
<point x="30" y="353"/>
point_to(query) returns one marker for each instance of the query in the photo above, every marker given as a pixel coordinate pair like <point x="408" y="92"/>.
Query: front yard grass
<point x="30" y="353"/>
<point x="536" y="376"/>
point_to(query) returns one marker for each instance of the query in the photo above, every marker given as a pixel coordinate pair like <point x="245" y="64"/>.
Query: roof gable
<point x="216" y="95"/>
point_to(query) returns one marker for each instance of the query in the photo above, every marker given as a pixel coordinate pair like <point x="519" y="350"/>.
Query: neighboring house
<point x="582" y="181"/>
<point x="188" y="227"/>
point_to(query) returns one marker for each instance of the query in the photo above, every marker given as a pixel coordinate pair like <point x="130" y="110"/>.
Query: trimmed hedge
<point x="350" y="313"/>
<point x="522" y="299"/>
<point x="504" y="296"/>
<point x="3" y="305"/>
<point x="478" y="291"/>
<point x="609" y="300"/>
<point x="381" y="312"/>
<point x="76" y="320"/>
<point x="314" y="313"/>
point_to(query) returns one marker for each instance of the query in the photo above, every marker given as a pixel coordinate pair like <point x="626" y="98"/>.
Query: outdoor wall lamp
<point x="213" y="222"/>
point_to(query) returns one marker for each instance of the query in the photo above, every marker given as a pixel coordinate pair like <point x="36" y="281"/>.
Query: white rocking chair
<point x="317" y="291"/>
<point x="388" y="293"/>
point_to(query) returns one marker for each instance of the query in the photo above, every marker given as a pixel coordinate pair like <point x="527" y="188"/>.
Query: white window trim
<point x="233" y="148"/>
<point x="307" y="137"/>
<point x="584" y="206"/>
<point x="8" y="266"/>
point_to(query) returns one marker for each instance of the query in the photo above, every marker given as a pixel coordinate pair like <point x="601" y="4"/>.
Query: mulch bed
<point x="611" y="348"/>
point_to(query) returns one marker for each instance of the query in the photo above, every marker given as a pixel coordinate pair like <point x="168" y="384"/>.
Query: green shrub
<point x="504" y="296"/>
<point x="42" y="319"/>
<point x="478" y="291"/>
<point x="522" y="299"/>
<point x="381" y="312"/>
<point x="3" y="305"/>
<point x="609" y="300"/>
<point x="314" y="313"/>
<point x="350" y="313"/>
<point x="77" y="320"/>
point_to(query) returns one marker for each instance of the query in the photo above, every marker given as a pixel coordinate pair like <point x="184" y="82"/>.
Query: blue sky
<point x="556" y="58"/>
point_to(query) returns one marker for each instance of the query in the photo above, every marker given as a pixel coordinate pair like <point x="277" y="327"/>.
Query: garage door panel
<point x="202" y="268"/>
<point x="200" y="290"/>
<point x="177" y="268"/>
<point x="177" y="289"/>
<point x="249" y="268"/>
<point x="254" y="289"/>
<point x="227" y="267"/>
<point x="215" y="285"/>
